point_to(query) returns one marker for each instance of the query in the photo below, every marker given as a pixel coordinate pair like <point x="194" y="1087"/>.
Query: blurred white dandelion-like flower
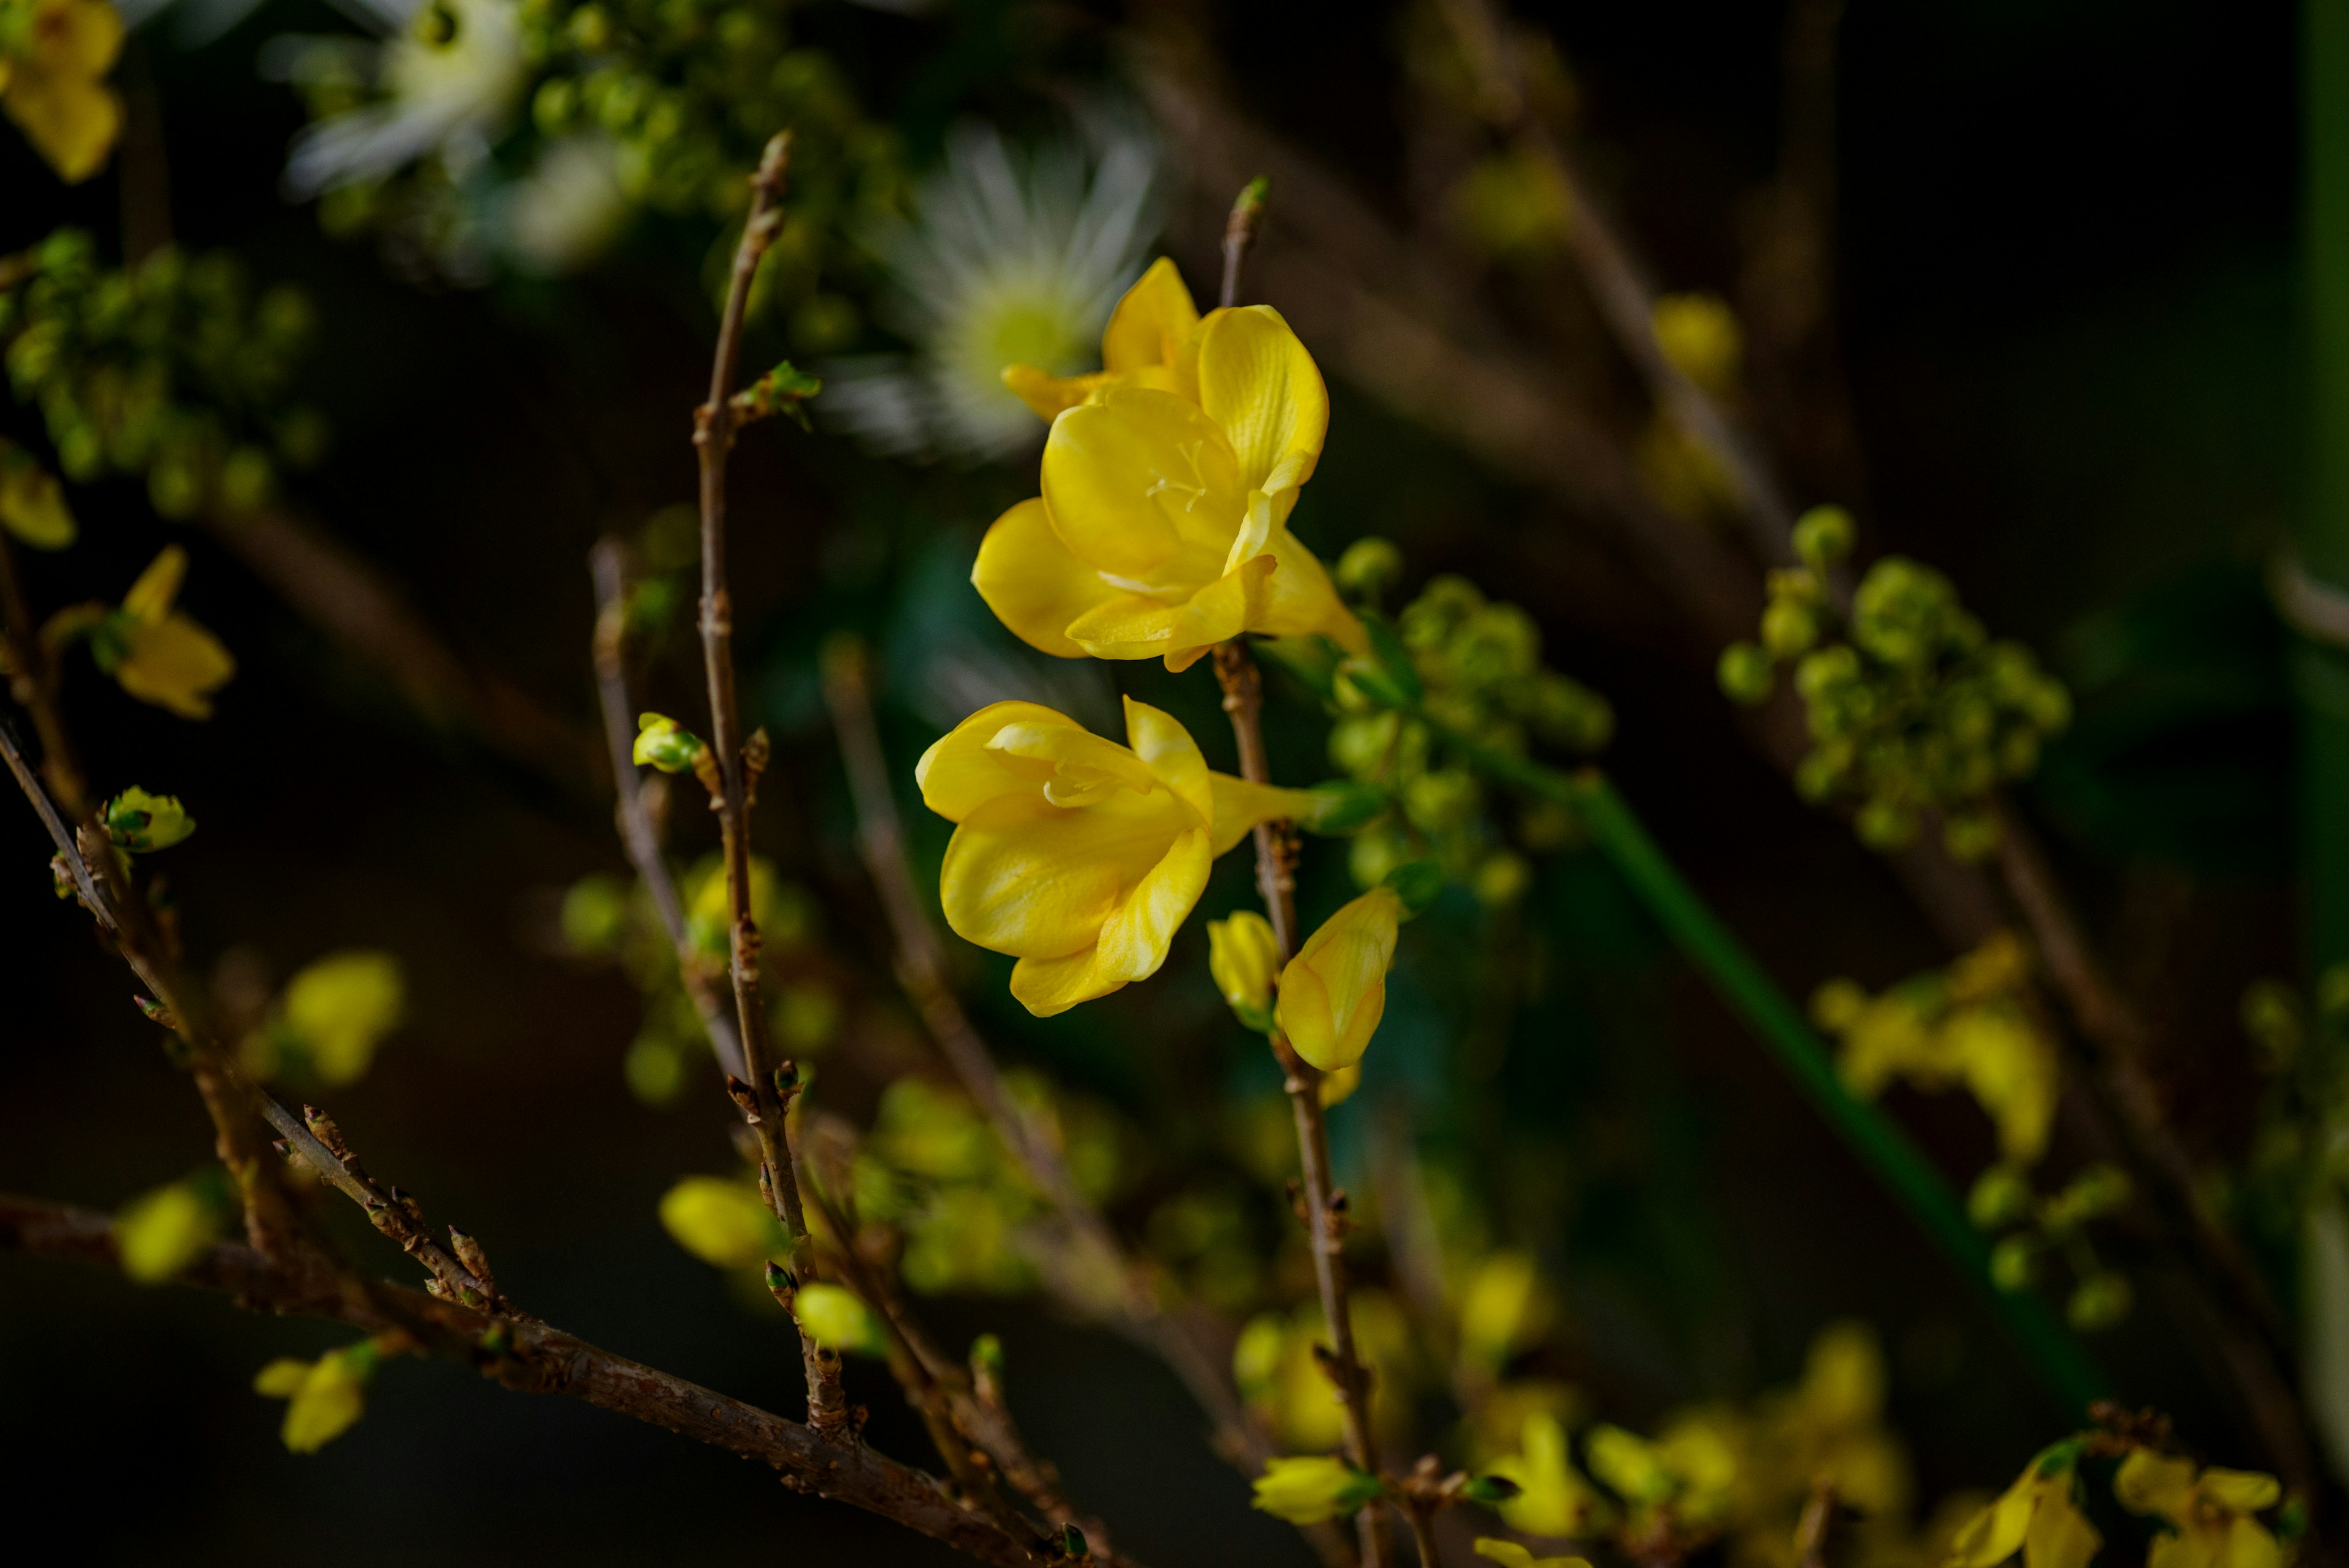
<point x="451" y="74"/>
<point x="1007" y="257"/>
<point x="568" y="209"/>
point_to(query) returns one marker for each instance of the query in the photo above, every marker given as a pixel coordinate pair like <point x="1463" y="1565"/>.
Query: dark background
<point x="2066" y="304"/>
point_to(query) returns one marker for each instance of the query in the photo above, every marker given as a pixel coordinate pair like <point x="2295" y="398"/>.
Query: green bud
<point x="1884" y="824"/>
<point x="1747" y="674"/>
<point x="2098" y="1190"/>
<point x="1442" y="798"/>
<point x="2001" y="1198"/>
<point x="1368" y="568"/>
<point x="1824" y="535"/>
<point x="2271" y="1017"/>
<point x="1971" y="834"/>
<point x="2012" y="1263"/>
<point x="1417" y="882"/>
<point x="595" y="915"/>
<point x="664" y="744"/>
<point x="142" y="822"/>
<point x="1341" y="808"/>
<point x="987" y="1356"/>
<point x="1492" y="1491"/>
<point x="1789" y="628"/>
<point x="555" y="106"/>
<point x="591" y="29"/>
<point x="2099" y="1301"/>
<point x="1501" y="879"/>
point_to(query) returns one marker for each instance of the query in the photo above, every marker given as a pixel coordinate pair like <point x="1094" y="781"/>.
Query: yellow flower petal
<point x="1258" y="383"/>
<point x="176" y="664"/>
<point x="1172" y="757"/>
<point x="1138" y="627"/>
<point x="282" y="1379"/>
<point x="1996" y="1534"/>
<point x="1334" y="991"/>
<point x="2243" y="1491"/>
<point x="151" y="597"/>
<point x="1036" y="880"/>
<point x="1240" y="805"/>
<point x="724" y="1223"/>
<point x="2148" y="1482"/>
<point x="1153" y="326"/>
<point x="2060" y="1535"/>
<point x="1033" y="584"/>
<point x="1050" y="395"/>
<point x="961" y="772"/>
<point x="1300" y="600"/>
<point x="330" y="1400"/>
<point x="1142" y="486"/>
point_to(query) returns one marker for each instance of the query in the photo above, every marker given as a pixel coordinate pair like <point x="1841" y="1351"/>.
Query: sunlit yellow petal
<point x="961" y="772"/>
<point x="1136" y="626"/>
<point x="1171" y="754"/>
<point x="1142" y="486"/>
<point x="1046" y="987"/>
<point x="1035" y="880"/>
<point x="1049" y="394"/>
<point x="174" y="663"/>
<point x="1257" y="382"/>
<point x="1083" y="766"/>
<point x="1032" y="583"/>
<point x="1134" y="939"/>
<point x="1334" y="991"/>
<point x="1152" y="325"/>
<point x="1300" y="600"/>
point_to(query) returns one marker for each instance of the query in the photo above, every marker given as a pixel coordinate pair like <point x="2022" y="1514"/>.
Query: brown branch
<point x="1276" y="851"/>
<point x="531" y="1358"/>
<point x="637" y="835"/>
<point x="921" y="969"/>
<point x="713" y="438"/>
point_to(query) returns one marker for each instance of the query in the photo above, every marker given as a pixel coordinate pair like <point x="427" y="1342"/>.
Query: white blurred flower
<point x="452" y="74"/>
<point x="570" y="206"/>
<point x="1008" y="258"/>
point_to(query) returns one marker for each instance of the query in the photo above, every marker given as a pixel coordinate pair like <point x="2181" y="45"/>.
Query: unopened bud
<point x="664" y="744"/>
<point x="1244" y="956"/>
<point x="1368" y="566"/>
<point x="142" y="822"/>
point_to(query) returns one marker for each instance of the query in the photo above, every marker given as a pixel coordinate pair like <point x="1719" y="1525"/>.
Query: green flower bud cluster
<point x="2296" y="1161"/>
<point x="1913" y="709"/>
<point x="2038" y="1227"/>
<point x="936" y="1170"/>
<point x="173" y="369"/>
<point x="1479" y="669"/>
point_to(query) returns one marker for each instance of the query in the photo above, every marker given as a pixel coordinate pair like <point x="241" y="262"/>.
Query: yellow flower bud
<point x="836" y="1320"/>
<point x="1078" y="856"/>
<point x="1309" y="1490"/>
<point x="1334" y="991"/>
<point x="1700" y="335"/>
<point x="142" y="822"/>
<point x="1244" y="956"/>
<point x="722" y="1222"/>
<point x="341" y="1007"/>
<point x="327" y="1396"/>
<point x="664" y="744"/>
<point x="159" y="1233"/>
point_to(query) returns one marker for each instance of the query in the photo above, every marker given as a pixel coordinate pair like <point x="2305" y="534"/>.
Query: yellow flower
<point x="722" y="1222"/>
<point x="1510" y="1554"/>
<point x="2038" y="1516"/>
<point x="2211" y="1512"/>
<point x="1244" y="956"/>
<point x="1334" y="991"/>
<point x="32" y="503"/>
<point x="53" y="56"/>
<point x="158" y="654"/>
<point x="1502" y="1308"/>
<point x="1309" y="1490"/>
<point x="836" y="1320"/>
<point x="1076" y="856"/>
<point x="1552" y="1497"/>
<point x="342" y="1006"/>
<point x="161" y="1232"/>
<point x="328" y="1395"/>
<point x="1168" y="481"/>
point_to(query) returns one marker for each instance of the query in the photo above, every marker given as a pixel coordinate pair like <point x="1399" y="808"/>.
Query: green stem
<point x="1742" y="982"/>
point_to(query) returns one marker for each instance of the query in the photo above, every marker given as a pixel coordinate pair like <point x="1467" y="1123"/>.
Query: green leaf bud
<point x="2000" y="1197"/>
<point x="2271" y="1017"/>
<point x="595" y="916"/>
<point x="1368" y="567"/>
<point x="555" y="105"/>
<point x="1747" y="674"/>
<point x="1789" y="628"/>
<point x="1492" y="1491"/>
<point x="2099" y="1301"/>
<point x="664" y="744"/>
<point x="1838" y="1003"/>
<point x="1885" y="823"/>
<point x="2012" y="1263"/>
<point x="2099" y="1190"/>
<point x="1441" y="799"/>
<point x="591" y="29"/>
<point x="1971" y="836"/>
<point x="1341" y="808"/>
<point x="1824" y="535"/>
<point x="1501" y="879"/>
<point x="142" y="822"/>
<point x="834" y="1318"/>
<point x="1417" y="882"/>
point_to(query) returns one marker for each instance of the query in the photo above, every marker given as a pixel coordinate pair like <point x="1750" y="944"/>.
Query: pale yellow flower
<point x="161" y="1232"/>
<point x="722" y="1222"/>
<point x="1243" y="956"/>
<point x="1334" y="991"/>
<point x="159" y="654"/>
<point x="53" y="56"/>
<point x="1307" y="1490"/>
<point x="1552" y="1499"/>
<point x="2038" y="1516"/>
<point x="327" y="1396"/>
<point x="1077" y="856"/>
<point x="342" y="1006"/>
<point x="2212" y="1512"/>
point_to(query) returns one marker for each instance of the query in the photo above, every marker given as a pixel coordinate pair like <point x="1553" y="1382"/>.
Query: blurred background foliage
<point x="2063" y="301"/>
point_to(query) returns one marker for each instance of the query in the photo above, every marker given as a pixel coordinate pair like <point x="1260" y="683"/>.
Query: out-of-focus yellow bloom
<point x="722" y="1222"/>
<point x="1077" y="856"/>
<point x="1163" y="526"/>
<point x="32" y="503"/>
<point x="1514" y="204"/>
<point x="1283" y="1381"/>
<point x="342" y="1006"/>
<point x="1502" y="1308"/>
<point x="1700" y="335"/>
<point x="160" y="1233"/>
<point x="2038" y="1516"/>
<point x="2212" y="1511"/>
<point x="329" y="1394"/>
<point x="1307" y="1490"/>
<point x="159" y="654"/>
<point x="1510" y="1554"/>
<point x="1552" y="1497"/>
<point x="1334" y="991"/>
<point x="53" y="56"/>
<point x="1244" y="955"/>
<point x="836" y="1320"/>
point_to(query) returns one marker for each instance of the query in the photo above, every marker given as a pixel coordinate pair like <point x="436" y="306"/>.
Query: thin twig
<point x="531" y="1358"/>
<point x="1243" y="691"/>
<point x="713" y="438"/>
<point x="637" y="834"/>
